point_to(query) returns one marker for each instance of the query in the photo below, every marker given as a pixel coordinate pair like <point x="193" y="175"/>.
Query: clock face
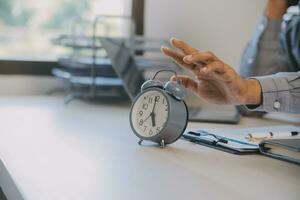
<point x="150" y="113"/>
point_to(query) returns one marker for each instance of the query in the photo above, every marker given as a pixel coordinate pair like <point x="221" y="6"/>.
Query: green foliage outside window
<point x="11" y="16"/>
<point x="66" y="12"/>
<point x="15" y="13"/>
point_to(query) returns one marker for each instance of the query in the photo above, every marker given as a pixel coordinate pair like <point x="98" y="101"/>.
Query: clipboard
<point x="221" y="143"/>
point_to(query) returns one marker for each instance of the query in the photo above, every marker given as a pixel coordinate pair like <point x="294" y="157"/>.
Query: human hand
<point x="215" y="81"/>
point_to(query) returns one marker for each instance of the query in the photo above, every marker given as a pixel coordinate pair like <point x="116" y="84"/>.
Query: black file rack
<point x="91" y="76"/>
<point x="88" y="75"/>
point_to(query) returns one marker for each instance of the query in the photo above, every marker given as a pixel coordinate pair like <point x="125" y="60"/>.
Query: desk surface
<point x="87" y="151"/>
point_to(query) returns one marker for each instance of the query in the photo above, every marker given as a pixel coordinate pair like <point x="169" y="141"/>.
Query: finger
<point x="183" y="46"/>
<point x="172" y="53"/>
<point x="177" y="57"/>
<point x="214" y="70"/>
<point x="216" y="67"/>
<point x="187" y="82"/>
<point x="200" y="57"/>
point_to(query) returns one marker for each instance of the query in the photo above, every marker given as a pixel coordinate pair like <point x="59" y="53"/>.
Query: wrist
<point x="254" y="94"/>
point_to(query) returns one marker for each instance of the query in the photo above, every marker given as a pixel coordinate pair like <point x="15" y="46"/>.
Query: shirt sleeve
<point x="264" y="54"/>
<point x="264" y="60"/>
<point x="280" y="93"/>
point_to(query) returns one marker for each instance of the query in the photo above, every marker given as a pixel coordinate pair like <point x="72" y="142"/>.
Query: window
<point x="27" y="27"/>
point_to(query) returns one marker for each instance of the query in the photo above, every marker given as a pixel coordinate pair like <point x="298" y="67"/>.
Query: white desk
<point x="87" y="151"/>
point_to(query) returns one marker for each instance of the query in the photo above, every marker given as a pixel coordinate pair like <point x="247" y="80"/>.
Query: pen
<point x="256" y="137"/>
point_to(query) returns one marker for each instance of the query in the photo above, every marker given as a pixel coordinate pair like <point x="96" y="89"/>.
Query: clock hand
<point x="152" y="113"/>
<point x="155" y="101"/>
<point x="153" y="119"/>
<point x="147" y="117"/>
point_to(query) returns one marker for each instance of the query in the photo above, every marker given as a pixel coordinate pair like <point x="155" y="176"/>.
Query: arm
<point x="263" y="54"/>
<point x="217" y="82"/>
<point x="275" y="9"/>
<point x="268" y="57"/>
<point x="280" y="92"/>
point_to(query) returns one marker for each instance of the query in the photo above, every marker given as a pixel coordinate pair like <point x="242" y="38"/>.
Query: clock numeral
<point x="163" y="101"/>
<point x="145" y="127"/>
<point x="145" y="106"/>
<point x="157" y="98"/>
<point x="150" y="132"/>
<point x="141" y="113"/>
<point x="141" y="122"/>
<point x="150" y="100"/>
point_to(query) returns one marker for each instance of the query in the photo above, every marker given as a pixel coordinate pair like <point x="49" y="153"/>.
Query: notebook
<point x="286" y="149"/>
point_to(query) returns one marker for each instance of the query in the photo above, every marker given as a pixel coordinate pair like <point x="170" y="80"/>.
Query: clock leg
<point x="140" y="142"/>
<point x="162" y="144"/>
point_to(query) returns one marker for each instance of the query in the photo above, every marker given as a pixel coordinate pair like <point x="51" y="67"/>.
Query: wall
<point x="223" y="27"/>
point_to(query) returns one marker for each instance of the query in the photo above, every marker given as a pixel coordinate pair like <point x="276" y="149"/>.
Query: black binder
<point x="283" y="149"/>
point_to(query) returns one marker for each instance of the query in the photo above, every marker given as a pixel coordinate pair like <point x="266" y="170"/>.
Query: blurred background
<point x="27" y="28"/>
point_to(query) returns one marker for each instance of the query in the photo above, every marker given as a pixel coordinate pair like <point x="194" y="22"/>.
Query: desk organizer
<point x="87" y="72"/>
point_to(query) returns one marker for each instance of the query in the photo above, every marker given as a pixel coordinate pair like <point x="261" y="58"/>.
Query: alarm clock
<point x="159" y="112"/>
